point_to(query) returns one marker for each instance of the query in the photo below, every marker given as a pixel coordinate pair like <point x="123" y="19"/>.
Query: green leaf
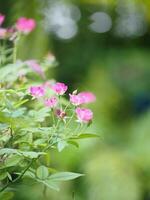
<point x="18" y="104"/>
<point x="73" y="143"/>
<point x="42" y="172"/>
<point x="9" y="176"/>
<point x="39" y="115"/>
<point x="29" y="174"/>
<point x="12" y="160"/>
<point x="51" y="184"/>
<point x="64" y="176"/>
<point x="31" y="154"/>
<point x="61" y="145"/>
<point x="38" y="130"/>
<point x="6" y="195"/>
<point x="18" y="112"/>
<point x="86" y="135"/>
<point x="8" y="151"/>
<point x="3" y="126"/>
<point x="3" y="175"/>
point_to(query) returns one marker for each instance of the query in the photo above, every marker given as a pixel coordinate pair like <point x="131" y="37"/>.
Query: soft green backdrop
<point x="117" y="70"/>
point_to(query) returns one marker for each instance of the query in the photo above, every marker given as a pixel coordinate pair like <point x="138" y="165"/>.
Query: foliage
<point x="34" y="117"/>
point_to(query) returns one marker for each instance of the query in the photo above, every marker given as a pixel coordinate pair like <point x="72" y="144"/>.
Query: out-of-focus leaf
<point x="73" y="143"/>
<point x="31" y="154"/>
<point x="6" y="195"/>
<point x="8" y="151"/>
<point x="64" y="176"/>
<point x="3" y="126"/>
<point x="40" y="115"/>
<point x="42" y="172"/>
<point x="3" y="175"/>
<point x="12" y="160"/>
<point x="86" y="135"/>
<point x="61" y="145"/>
<point x="51" y="184"/>
<point x="9" y="176"/>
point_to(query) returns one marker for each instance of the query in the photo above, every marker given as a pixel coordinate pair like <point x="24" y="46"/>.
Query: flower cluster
<point x="83" y="115"/>
<point x="23" y="26"/>
<point x="39" y="127"/>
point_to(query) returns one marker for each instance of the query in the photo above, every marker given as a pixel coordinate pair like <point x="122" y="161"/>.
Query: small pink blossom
<point x="59" y="88"/>
<point x="87" y="97"/>
<point x="84" y="115"/>
<point x="76" y="99"/>
<point x="33" y="64"/>
<point x="51" y="102"/>
<point x="81" y="98"/>
<point x="61" y="114"/>
<point x="25" y="25"/>
<point x="37" y="91"/>
<point x="2" y="18"/>
<point x="3" y="33"/>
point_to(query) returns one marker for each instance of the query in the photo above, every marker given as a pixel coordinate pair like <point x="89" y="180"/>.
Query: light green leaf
<point x="85" y="135"/>
<point x="39" y="115"/>
<point x="51" y="184"/>
<point x="31" y="154"/>
<point x="3" y="126"/>
<point x="9" y="176"/>
<point x="12" y="160"/>
<point x="29" y="174"/>
<point x="8" y="151"/>
<point x="18" y="112"/>
<point x="42" y="172"/>
<point x="61" y="145"/>
<point x="64" y="176"/>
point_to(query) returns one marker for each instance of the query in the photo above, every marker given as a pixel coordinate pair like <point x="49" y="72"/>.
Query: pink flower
<point x="35" y="67"/>
<point x="25" y="25"/>
<point x="59" y="88"/>
<point x="76" y="99"/>
<point x="2" y="18"/>
<point x="37" y="91"/>
<point x="84" y="115"/>
<point x="87" y="97"/>
<point x="61" y="114"/>
<point x="52" y="102"/>
<point x="3" y="33"/>
<point x="81" y="98"/>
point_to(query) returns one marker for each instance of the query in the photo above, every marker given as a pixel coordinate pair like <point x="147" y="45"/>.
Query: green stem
<point x="15" y="52"/>
<point x="16" y="48"/>
<point x="18" y="178"/>
<point x="53" y="117"/>
<point x="69" y="121"/>
<point x="26" y="169"/>
<point x="44" y="192"/>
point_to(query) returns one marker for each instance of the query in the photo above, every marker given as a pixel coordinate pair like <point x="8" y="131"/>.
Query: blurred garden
<point x="102" y="46"/>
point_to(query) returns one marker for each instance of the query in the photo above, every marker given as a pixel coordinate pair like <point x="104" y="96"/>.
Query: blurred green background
<point x="102" y="46"/>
